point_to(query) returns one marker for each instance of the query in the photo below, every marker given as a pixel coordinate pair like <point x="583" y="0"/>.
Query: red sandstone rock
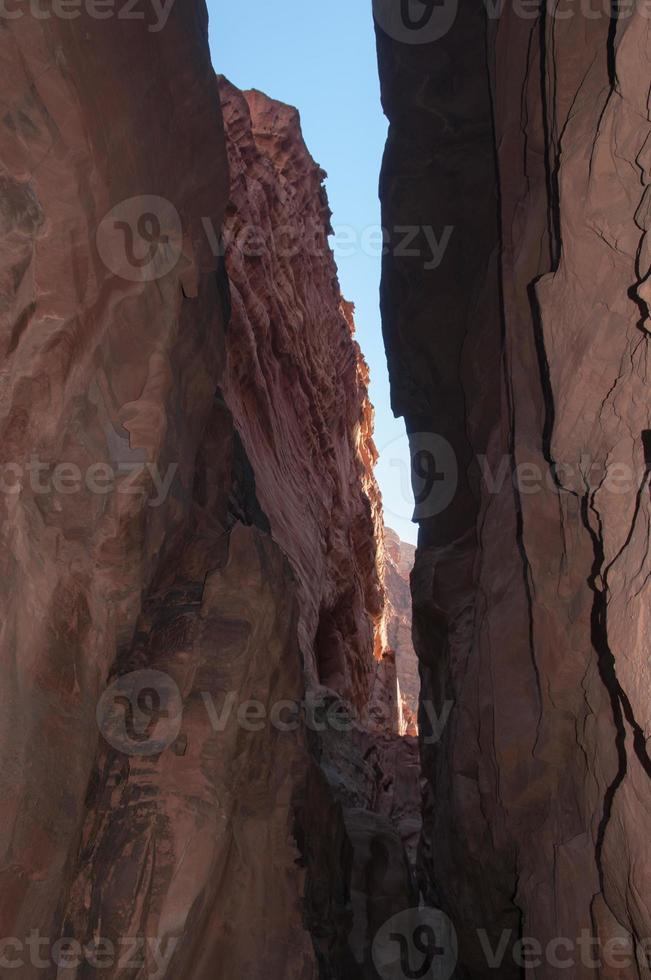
<point x="271" y="854"/>
<point x="296" y="384"/>
<point x="93" y="366"/>
<point x="257" y="575"/>
<point x="530" y="608"/>
<point x="195" y="846"/>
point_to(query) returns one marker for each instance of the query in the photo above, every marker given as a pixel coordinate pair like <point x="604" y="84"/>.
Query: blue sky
<point x="325" y="65"/>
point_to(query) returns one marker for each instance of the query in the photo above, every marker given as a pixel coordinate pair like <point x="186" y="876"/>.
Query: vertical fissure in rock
<point x="551" y="149"/>
<point x="599" y="626"/>
<point x="612" y="43"/>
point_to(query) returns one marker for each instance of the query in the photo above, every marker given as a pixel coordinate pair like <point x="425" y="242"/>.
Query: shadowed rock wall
<point x="527" y="351"/>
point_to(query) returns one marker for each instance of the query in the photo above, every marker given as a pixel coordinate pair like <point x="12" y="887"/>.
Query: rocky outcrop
<point x="297" y="386"/>
<point x="192" y="847"/>
<point x="526" y="352"/>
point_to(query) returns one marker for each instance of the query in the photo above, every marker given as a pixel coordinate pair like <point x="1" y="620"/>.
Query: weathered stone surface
<point x="95" y="369"/>
<point x="194" y="846"/>
<point x="528" y="347"/>
<point x="362" y="828"/>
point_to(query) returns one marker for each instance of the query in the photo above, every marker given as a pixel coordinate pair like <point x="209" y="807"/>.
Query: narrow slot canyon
<point x="247" y="729"/>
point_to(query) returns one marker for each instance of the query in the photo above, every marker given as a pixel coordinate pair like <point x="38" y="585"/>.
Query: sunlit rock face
<point x="297" y="385"/>
<point x="526" y="349"/>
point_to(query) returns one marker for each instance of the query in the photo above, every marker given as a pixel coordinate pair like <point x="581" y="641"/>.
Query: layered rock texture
<point x="200" y="767"/>
<point x="297" y="386"/>
<point x="526" y="350"/>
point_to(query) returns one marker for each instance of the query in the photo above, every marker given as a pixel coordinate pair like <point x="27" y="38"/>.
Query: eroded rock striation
<point x="526" y="350"/>
<point x="297" y="386"/>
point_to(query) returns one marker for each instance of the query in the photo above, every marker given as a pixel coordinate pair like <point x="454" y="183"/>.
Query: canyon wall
<point x="199" y="746"/>
<point x="107" y="366"/>
<point x="520" y="365"/>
